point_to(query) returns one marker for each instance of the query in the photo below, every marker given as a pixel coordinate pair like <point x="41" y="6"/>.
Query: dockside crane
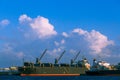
<point x="73" y="60"/>
<point x="38" y="59"/>
<point x="56" y="60"/>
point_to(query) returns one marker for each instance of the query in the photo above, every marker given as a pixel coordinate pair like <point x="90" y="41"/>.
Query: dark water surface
<point x="61" y="78"/>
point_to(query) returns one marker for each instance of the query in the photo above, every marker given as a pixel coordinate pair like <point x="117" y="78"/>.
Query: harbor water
<point x="61" y="78"/>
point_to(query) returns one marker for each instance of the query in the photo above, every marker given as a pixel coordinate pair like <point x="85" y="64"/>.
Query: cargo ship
<point x="102" y="68"/>
<point x="55" y="69"/>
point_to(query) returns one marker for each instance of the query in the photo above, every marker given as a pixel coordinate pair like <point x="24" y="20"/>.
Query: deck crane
<point x="56" y="60"/>
<point x="73" y="60"/>
<point x="38" y="59"/>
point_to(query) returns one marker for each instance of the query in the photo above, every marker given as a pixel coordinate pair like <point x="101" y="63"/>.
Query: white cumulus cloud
<point x="59" y="43"/>
<point x="96" y="40"/>
<point x="55" y="52"/>
<point x="56" y="43"/>
<point x="24" y="18"/>
<point x="4" y="22"/>
<point x="72" y="51"/>
<point x="62" y="41"/>
<point x="80" y="31"/>
<point x="40" y="25"/>
<point x="65" y="34"/>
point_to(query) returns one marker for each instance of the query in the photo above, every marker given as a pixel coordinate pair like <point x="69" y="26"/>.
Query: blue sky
<point x="30" y="26"/>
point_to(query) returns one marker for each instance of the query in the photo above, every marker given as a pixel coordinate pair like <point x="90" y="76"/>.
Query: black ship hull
<point x="103" y="73"/>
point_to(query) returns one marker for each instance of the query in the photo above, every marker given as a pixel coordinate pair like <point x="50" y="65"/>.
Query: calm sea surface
<point x="61" y="78"/>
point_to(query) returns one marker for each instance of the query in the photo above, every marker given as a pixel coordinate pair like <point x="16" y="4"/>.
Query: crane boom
<point x="76" y="56"/>
<point x="56" y="60"/>
<point x="61" y="55"/>
<point x="73" y="60"/>
<point x="42" y="54"/>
